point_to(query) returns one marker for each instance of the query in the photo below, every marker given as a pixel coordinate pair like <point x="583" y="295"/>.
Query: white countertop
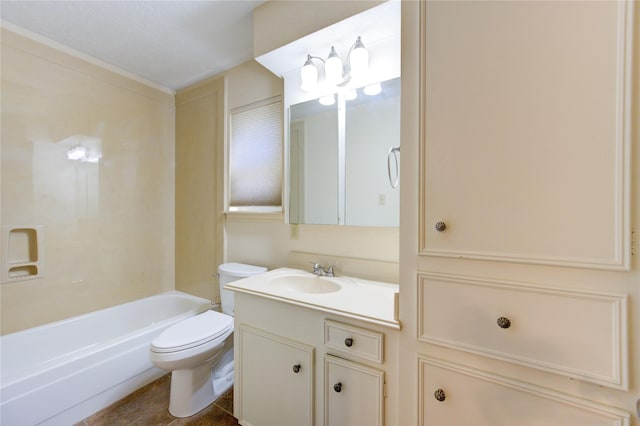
<point x="365" y="300"/>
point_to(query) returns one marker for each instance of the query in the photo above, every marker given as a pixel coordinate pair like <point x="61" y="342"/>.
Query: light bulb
<point x="309" y="75"/>
<point x="327" y="100"/>
<point x="333" y="68"/>
<point x="372" y="89"/>
<point x="359" y="59"/>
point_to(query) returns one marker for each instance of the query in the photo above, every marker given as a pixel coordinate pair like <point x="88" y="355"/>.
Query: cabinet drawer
<point x="538" y="327"/>
<point x="354" y="342"/>
<point x="454" y="394"/>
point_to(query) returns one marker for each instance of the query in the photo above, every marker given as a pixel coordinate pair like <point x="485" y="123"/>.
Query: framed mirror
<point x="344" y="157"/>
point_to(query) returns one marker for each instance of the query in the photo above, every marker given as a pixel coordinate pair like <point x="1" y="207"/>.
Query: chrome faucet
<point x="321" y="271"/>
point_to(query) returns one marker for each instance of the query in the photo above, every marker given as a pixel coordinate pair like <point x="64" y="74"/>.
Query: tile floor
<point x="149" y="406"/>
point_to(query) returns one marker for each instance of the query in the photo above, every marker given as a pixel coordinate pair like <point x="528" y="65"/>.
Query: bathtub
<point x="62" y="372"/>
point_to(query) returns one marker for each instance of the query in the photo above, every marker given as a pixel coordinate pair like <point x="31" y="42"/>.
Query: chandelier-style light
<point x="336" y="73"/>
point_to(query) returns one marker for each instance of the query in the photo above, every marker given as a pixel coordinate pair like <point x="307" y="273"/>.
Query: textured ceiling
<point x="170" y="43"/>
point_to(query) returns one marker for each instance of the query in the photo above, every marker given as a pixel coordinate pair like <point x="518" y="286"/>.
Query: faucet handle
<point x="317" y="267"/>
<point x="331" y="271"/>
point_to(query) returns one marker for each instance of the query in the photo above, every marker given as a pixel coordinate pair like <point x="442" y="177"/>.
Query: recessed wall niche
<point x="23" y="253"/>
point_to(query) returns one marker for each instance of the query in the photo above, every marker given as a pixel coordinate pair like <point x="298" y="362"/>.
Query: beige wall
<point x="107" y="226"/>
<point x="199" y="169"/>
<point x="202" y="110"/>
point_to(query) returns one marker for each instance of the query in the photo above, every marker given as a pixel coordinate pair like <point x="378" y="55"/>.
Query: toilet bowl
<point x="199" y="350"/>
<point x="191" y="349"/>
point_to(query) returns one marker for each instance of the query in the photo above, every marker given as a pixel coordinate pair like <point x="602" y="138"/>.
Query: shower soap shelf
<point x="22" y="248"/>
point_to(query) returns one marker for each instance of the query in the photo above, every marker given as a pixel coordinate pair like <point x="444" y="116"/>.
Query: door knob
<point x="440" y="226"/>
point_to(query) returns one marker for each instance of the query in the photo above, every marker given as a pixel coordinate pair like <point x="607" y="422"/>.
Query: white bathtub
<point x="62" y="372"/>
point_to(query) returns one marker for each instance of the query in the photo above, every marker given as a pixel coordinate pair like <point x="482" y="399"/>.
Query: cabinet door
<point x="353" y="394"/>
<point x="525" y="147"/>
<point x="275" y="380"/>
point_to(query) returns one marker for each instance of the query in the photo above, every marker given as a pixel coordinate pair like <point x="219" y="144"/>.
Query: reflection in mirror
<point x="372" y="129"/>
<point x="313" y="171"/>
<point x="338" y="158"/>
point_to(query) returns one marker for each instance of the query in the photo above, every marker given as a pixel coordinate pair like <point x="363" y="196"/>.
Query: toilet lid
<point x="240" y="270"/>
<point x="193" y="331"/>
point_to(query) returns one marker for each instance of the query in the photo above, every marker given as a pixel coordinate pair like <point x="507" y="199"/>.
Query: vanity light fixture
<point x="336" y="73"/>
<point x="77" y="153"/>
<point x="81" y="153"/>
<point x="83" y="148"/>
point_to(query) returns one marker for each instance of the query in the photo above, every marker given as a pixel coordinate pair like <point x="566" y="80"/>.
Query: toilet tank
<point x="229" y="272"/>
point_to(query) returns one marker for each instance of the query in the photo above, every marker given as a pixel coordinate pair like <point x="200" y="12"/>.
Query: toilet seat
<point x="192" y="332"/>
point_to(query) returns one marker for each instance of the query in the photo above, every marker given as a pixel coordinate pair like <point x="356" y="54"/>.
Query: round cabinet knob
<point x="296" y="368"/>
<point x="337" y="387"/>
<point x="348" y="342"/>
<point x="439" y="395"/>
<point x="504" y="322"/>
<point x="441" y="226"/>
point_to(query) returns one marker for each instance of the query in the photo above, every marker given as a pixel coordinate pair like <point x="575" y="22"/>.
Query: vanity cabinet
<point x="301" y="366"/>
<point x="277" y="377"/>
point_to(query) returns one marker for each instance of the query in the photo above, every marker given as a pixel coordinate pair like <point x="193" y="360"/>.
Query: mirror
<point x="344" y="158"/>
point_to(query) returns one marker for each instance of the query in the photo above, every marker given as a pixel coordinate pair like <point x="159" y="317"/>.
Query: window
<point x="255" y="157"/>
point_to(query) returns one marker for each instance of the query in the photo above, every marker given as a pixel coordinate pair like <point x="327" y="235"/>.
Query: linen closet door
<point x="524" y="288"/>
<point x="526" y="134"/>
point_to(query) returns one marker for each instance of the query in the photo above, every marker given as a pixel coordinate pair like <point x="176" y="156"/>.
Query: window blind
<point x="255" y="156"/>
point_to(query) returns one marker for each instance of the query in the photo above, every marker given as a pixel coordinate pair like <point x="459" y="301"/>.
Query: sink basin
<point x="307" y="284"/>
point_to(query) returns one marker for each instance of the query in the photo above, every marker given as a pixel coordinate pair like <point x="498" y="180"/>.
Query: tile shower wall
<point x="87" y="155"/>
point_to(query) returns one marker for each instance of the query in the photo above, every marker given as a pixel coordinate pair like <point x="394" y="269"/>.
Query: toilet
<point x="199" y="350"/>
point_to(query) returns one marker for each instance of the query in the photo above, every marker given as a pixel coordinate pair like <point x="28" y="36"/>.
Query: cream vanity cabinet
<point x="300" y="366"/>
<point x="277" y="377"/>
<point x="524" y="267"/>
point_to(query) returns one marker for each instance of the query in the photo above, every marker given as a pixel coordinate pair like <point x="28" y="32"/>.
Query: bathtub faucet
<point x="322" y="271"/>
